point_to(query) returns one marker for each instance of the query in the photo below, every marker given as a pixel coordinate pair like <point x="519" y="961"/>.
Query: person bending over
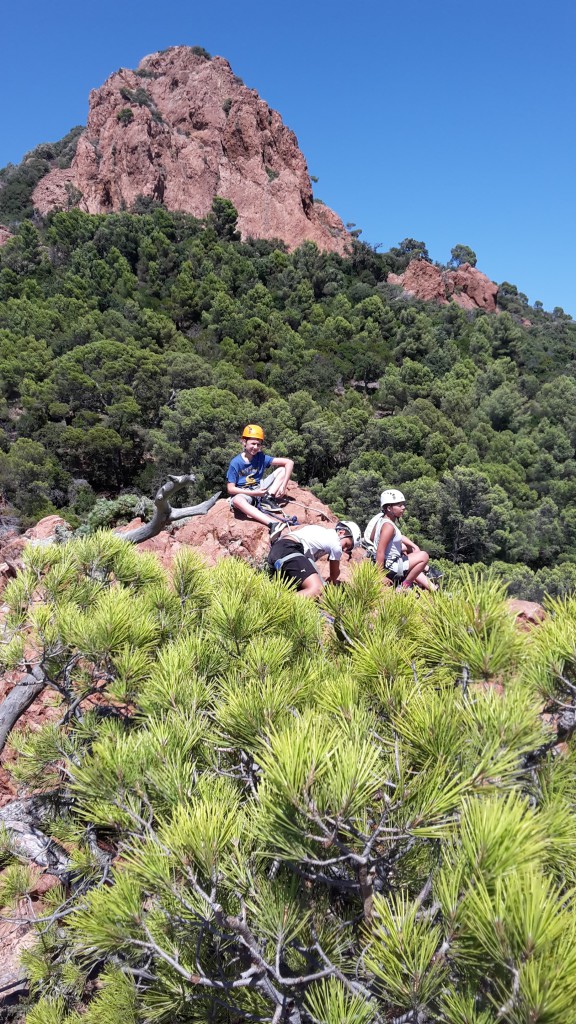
<point x="402" y="560"/>
<point x="293" y="554"/>
<point x="248" y="490"/>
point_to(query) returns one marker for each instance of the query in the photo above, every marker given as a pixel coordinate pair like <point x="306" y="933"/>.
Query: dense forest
<point x="139" y="343"/>
<point x="250" y="807"/>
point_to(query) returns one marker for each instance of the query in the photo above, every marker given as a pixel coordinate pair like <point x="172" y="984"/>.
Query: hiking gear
<point x="253" y="430"/>
<point x="269" y="504"/>
<point x="351" y="529"/>
<point x="283" y="518"/>
<point x="433" y="573"/>
<point x="369" y="548"/>
<point x="292" y="501"/>
<point x="392" y="497"/>
<point x="275" y="529"/>
<point x="280" y="562"/>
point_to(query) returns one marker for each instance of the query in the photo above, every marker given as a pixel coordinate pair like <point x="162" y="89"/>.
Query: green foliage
<point x="16" y="882"/>
<point x="201" y="52"/>
<point x="145" y="340"/>
<point x="359" y="825"/>
<point x="462" y="254"/>
<point x="18" y="182"/>
<point x="125" y="116"/>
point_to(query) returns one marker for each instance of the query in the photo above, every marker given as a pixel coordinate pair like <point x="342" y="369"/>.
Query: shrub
<point x="260" y="814"/>
<point x="199" y="51"/>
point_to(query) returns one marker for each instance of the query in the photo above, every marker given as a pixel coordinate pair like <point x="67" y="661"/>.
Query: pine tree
<point x="260" y="817"/>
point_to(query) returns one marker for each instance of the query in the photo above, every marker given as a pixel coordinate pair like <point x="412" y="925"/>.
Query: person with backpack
<point x="249" y="491"/>
<point x="293" y="554"/>
<point x="401" y="559"/>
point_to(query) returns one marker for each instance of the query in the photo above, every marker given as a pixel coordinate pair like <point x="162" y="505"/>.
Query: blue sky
<point x="446" y="122"/>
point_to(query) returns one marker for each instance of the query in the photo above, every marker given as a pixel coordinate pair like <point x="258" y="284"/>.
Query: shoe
<point x="275" y="529"/>
<point x="269" y="504"/>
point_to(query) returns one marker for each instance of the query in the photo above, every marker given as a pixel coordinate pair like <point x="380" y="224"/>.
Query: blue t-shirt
<point x="248" y="474"/>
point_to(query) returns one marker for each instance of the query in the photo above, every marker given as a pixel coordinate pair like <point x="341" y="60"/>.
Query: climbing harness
<point x="292" y="501"/>
<point x="282" y="517"/>
<point x="297" y="554"/>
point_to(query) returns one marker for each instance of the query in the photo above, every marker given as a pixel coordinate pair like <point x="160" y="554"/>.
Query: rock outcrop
<point x="182" y="129"/>
<point x="223" y="533"/>
<point x="5" y="234"/>
<point x="466" y="286"/>
<point x="220" y="533"/>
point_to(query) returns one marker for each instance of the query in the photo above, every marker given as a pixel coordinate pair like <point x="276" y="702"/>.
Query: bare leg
<point x="277" y="482"/>
<point x="423" y="581"/>
<point x="312" y="586"/>
<point x="417" y="561"/>
<point x="242" y="505"/>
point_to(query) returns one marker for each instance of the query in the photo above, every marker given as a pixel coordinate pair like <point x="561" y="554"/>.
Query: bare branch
<point x="21" y="819"/>
<point x="164" y="514"/>
<point x="18" y="701"/>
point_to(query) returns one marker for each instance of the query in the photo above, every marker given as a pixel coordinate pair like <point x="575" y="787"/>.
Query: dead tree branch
<point x="21" y="819"/>
<point x="19" y="700"/>
<point x="164" y="514"/>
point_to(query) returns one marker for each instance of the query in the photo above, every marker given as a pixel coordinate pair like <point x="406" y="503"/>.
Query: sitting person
<point x="293" y="554"/>
<point x="402" y="560"/>
<point x="248" y="491"/>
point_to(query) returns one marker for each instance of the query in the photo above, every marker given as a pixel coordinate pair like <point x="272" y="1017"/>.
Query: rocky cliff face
<point x="181" y="129"/>
<point x="466" y="286"/>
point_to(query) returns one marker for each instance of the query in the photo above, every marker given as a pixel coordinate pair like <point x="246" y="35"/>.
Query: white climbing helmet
<point x="352" y="529"/>
<point x="391" y="497"/>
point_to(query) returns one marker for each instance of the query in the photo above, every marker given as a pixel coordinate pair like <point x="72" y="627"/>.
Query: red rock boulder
<point x="466" y="286"/>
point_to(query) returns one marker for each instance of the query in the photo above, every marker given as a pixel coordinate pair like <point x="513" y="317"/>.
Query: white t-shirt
<point x="318" y="541"/>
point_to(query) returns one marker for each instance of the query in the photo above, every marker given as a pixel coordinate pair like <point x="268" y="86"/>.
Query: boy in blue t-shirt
<point x="245" y="477"/>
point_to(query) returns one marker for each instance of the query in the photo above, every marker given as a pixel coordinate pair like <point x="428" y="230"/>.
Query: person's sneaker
<point x="275" y="529"/>
<point x="269" y="504"/>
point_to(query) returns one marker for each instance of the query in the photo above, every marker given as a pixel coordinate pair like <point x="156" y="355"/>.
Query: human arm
<point x="334" y="571"/>
<point x="386" y="535"/>
<point x="288" y="466"/>
<point x="254" y="492"/>
<point x="409" y="545"/>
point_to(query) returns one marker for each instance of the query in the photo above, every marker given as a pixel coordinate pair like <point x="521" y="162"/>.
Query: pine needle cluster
<point x="270" y="819"/>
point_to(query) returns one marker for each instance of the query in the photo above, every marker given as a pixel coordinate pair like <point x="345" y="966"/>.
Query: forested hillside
<point x="137" y="344"/>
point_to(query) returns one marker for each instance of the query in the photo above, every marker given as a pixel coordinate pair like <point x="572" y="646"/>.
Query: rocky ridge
<point x="466" y="286"/>
<point x="182" y="129"/>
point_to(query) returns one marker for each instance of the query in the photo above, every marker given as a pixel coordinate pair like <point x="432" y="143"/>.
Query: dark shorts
<point x="298" y="568"/>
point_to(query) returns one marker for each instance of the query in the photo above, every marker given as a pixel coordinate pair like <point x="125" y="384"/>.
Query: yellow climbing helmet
<point x="253" y="430"/>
